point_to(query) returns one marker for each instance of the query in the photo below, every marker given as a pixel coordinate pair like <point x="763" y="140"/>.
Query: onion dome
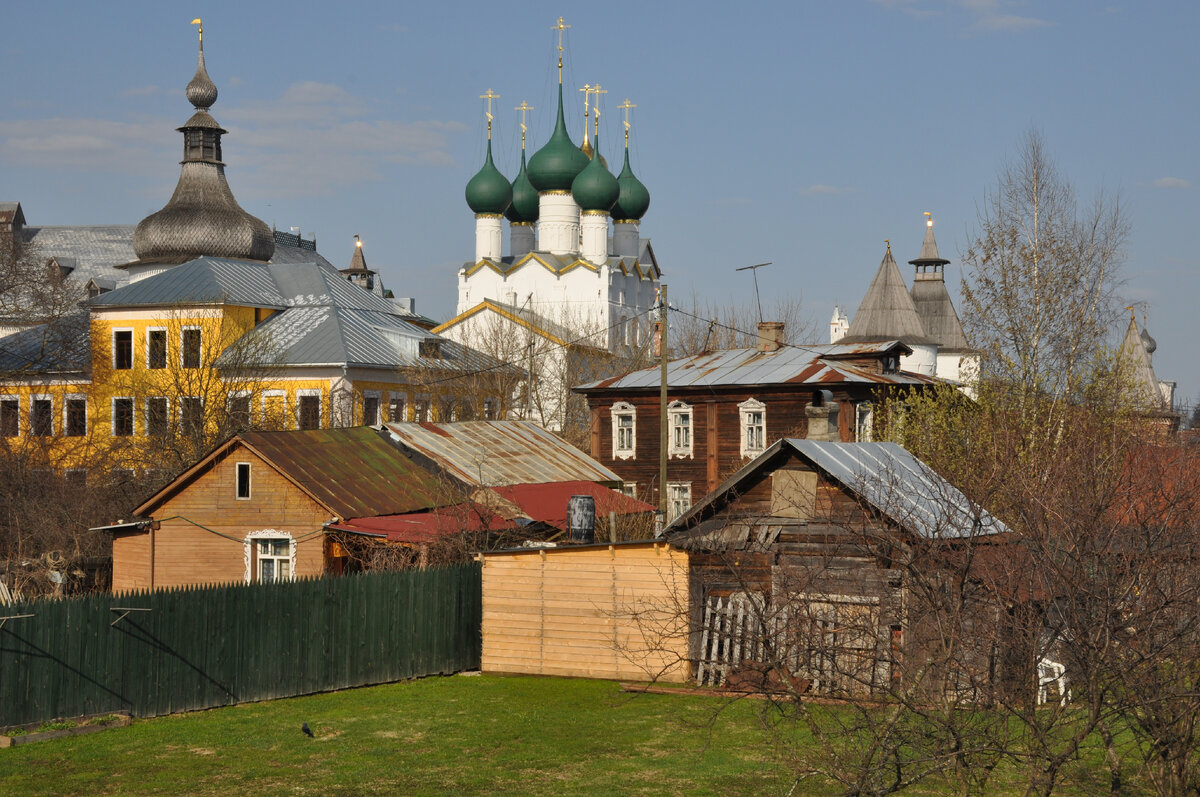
<point x="595" y="188"/>
<point x="634" y="199"/>
<point x="525" y="206"/>
<point x="202" y="217"/>
<point x="555" y="166"/>
<point x="489" y="191"/>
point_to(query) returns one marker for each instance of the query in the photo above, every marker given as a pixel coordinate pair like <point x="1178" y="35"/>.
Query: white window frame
<point x="183" y="347"/>
<point x="377" y="395"/>
<point x="166" y="347"/>
<point x="864" y="420"/>
<point x="253" y="538"/>
<point x="166" y="414"/>
<point x="41" y="397"/>
<point x="132" y="348"/>
<point x="679" y="499"/>
<point x="67" y="399"/>
<point x="309" y="392"/>
<point x="9" y="397"/>
<point x="676" y="411"/>
<point x="418" y="400"/>
<point x="403" y="399"/>
<point x="619" y="410"/>
<point x="267" y="395"/>
<point x="232" y="396"/>
<point x="746" y="410"/>
<point x="237" y="481"/>
<point x="629" y="489"/>
<point x="112" y="416"/>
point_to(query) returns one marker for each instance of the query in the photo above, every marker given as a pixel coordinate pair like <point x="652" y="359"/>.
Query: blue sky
<point x="801" y="133"/>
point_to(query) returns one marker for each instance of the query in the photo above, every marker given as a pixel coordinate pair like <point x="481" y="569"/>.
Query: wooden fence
<point x="197" y="647"/>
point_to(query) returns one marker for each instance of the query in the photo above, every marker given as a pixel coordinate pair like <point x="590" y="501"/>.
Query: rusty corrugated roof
<point x="356" y="472"/>
<point x="496" y="453"/>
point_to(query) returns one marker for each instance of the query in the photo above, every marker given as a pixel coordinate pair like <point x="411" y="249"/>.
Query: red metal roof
<point x="548" y="502"/>
<point x="419" y="527"/>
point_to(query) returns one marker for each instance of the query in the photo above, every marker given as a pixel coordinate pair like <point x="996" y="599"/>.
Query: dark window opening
<point x="41" y="417"/>
<point x="370" y="411"/>
<point x="191" y="414"/>
<point x="122" y="417"/>
<point x="239" y="412"/>
<point x="191" y="348"/>
<point x="158" y="348"/>
<point x="10" y="413"/>
<point x="396" y="410"/>
<point x="310" y="412"/>
<point x="156" y="417"/>
<point x="243" y="480"/>
<point x="123" y="349"/>
<point x="431" y="348"/>
<point x="76" y="417"/>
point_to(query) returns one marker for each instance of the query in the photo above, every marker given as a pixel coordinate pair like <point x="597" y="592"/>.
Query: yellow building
<point x="210" y="336"/>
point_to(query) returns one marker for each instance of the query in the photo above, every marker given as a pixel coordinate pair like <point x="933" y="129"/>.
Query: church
<point x="576" y="288"/>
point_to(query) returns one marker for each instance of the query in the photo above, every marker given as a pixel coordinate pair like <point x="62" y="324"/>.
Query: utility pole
<point x="662" y="404"/>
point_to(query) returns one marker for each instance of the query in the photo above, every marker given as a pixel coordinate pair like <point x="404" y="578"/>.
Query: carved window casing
<point x="624" y="430"/>
<point x="679" y="425"/>
<point x="753" y="415"/>
<point x="269" y="555"/>
<point x="679" y="498"/>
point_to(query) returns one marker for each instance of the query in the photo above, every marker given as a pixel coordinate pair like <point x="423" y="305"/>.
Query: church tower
<point x="956" y="360"/>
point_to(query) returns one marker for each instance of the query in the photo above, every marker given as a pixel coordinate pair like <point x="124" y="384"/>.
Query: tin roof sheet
<point x="548" y="502"/>
<point x="429" y="525"/>
<point x="815" y="364"/>
<point x="497" y="453"/>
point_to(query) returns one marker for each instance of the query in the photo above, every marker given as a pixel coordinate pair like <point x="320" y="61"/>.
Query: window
<point x="41" y="417"/>
<point x="76" y="420"/>
<point x="191" y="414"/>
<point x="370" y="409"/>
<point x="891" y="363"/>
<point x="629" y="489"/>
<point x="122" y="417"/>
<point x="10" y="414"/>
<point x="309" y="412"/>
<point x="679" y="498"/>
<point x="396" y="409"/>
<point x="238" y="407"/>
<point x="122" y="349"/>
<point x="624" y="430"/>
<point x="864" y="421"/>
<point x="75" y="477"/>
<point x="243" y="480"/>
<point x="421" y="409"/>
<point x="491" y="409"/>
<point x="156" y="348"/>
<point x="270" y="555"/>
<point x="157" y="420"/>
<point x="431" y="348"/>
<point x="274" y="405"/>
<point x="191" y="347"/>
<point x="753" y="427"/>
<point x="679" y="424"/>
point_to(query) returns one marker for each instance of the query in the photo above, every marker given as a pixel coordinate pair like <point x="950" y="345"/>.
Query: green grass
<point x="469" y="735"/>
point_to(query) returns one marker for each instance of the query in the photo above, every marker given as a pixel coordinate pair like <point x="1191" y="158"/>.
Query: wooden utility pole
<point x="662" y="403"/>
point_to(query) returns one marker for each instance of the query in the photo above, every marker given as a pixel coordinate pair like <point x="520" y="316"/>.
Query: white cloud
<point x="1171" y="182"/>
<point x="88" y="144"/>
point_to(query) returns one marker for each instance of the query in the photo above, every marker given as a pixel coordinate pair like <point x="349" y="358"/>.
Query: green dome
<point x="556" y="165"/>
<point x="634" y="199"/>
<point x="525" y="206"/>
<point x="488" y="191"/>
<point x="595" y="188"/>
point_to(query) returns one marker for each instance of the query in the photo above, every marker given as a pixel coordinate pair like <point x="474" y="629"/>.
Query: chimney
<point x="770" y="335"/>
<point x="822" y="417"/>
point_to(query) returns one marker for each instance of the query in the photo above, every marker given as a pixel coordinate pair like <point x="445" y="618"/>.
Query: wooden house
<point x="724" y="406"/>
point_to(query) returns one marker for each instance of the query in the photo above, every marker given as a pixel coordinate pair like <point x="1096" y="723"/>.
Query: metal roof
<point x="60" y="346"/>
<point x="548" y="502"/>
<point x="885" y="475"/>
<point x="429" y="525"/>
<point x="356" y="472"/>
<point x="887" y="311"/>
<point x="936" y="310"/>
<point x="205" y="280"/>
<point x="496" y="453"/>
<point x="798" y="365"/>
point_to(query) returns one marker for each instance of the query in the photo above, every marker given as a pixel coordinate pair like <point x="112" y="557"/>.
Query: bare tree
<point x="701" y="326"/>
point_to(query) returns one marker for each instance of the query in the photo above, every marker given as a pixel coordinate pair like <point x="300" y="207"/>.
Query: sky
<point x="800" y="133"/>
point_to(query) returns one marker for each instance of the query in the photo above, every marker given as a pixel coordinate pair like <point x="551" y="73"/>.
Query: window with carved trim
<point x="753" y="423"/>
<point x="679" y="426"/>
<point x="624" y="430"/>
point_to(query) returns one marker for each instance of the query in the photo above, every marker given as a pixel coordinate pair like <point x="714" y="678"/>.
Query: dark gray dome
<point x="201" y="91"/>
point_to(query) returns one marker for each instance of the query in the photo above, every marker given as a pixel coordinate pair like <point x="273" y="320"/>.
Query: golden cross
<point x="626" y="106"/>
<point x="489" y="96"/>
<point x="523" y="108"/>
<point x="560" y="27"/>
<point x="587" y="95"/>
<point x="596" y="107"/>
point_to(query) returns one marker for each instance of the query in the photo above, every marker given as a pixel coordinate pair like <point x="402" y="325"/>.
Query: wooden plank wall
<point x="615" y="612"/>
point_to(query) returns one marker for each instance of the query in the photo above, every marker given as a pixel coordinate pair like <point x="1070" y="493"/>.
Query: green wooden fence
<point x="198" y="647"/>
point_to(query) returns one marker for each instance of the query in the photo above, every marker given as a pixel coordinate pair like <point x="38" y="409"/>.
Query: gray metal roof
<point x="497" y="453"/>
<point x="798" y="365"/>
<point x="887" y="311"/>
<point x="885" y="475"/>
<point x="61" y="346"/>
<point x="936" y="311"/>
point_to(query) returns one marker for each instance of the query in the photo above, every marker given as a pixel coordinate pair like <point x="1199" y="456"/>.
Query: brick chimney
<point x="770" y="335"/>
<point x="822" y="417"/>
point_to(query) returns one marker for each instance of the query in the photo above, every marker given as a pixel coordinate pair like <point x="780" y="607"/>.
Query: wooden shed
<point x="597" y="611"/>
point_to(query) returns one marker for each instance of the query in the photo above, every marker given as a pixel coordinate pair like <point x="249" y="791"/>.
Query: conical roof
<point x="932" y="300"/>
<point x="1135" y="355"/>
<point x="489" y="191"/>
<point x="358" y="261"/>
<point x="595" y="188"/>
<point x="929" y="250"/>
<point x="525" y="206"/>
<point x="202" y="217"/>
<point x="556" y="165"/>
<point x="634" y="199"/>
<point x="887" y="311"/>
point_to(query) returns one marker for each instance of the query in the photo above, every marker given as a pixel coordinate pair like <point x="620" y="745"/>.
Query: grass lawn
<point x="470" y="735"/>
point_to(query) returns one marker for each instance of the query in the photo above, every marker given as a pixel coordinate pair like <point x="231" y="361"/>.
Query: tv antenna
<point x="754" y="270"/>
